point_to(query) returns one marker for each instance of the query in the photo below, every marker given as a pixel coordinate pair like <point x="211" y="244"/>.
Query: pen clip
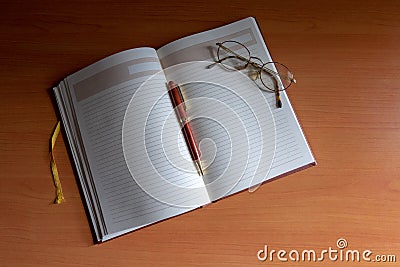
<point x="181" y="96"/>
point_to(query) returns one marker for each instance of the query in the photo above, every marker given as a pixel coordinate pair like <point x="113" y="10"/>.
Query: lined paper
<point x="125" y="204"/>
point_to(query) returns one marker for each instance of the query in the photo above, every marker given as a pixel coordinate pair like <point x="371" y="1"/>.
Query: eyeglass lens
<point x="233" y="55"/>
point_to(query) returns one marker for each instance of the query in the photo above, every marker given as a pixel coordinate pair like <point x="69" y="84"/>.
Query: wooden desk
<point x="346" y="57"/>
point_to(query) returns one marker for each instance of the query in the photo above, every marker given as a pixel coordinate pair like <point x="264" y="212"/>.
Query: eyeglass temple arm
<point x="232" y="52"/>
<point x="218" y="62"/>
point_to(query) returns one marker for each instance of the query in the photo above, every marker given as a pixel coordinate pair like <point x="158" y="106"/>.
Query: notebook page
<point x="291" y="148"/>
<point x="101" y="95"/>
<point x="236" y="129"/>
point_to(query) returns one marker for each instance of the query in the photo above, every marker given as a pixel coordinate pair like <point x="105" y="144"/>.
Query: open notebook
<point x="131" y="158"/>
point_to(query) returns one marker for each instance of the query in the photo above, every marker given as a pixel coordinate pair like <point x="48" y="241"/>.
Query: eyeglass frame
<point x="259" y="67"/>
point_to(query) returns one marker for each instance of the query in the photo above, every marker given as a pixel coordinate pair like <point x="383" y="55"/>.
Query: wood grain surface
<point x="346" y="58"/>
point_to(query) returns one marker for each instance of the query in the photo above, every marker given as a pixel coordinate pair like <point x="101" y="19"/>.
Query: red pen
<point x="178" y="104"/>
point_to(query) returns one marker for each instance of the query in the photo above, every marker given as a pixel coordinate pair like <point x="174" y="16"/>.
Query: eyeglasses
<point x="274" y="76"/>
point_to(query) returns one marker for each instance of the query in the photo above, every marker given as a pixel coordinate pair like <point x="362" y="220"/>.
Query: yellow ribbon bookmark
<point x="59" y="194"/>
